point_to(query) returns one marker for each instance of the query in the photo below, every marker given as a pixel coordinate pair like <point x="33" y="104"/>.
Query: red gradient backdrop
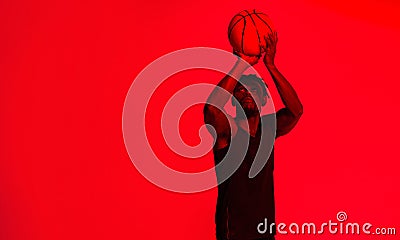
<point x="66" y="67"/>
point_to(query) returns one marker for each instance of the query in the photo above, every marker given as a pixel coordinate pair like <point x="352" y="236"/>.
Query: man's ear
<point x="264" y="100"/>
<point x="233" y="101"/>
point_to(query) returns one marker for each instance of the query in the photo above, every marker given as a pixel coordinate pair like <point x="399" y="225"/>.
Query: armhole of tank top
<point x="229" y="140"/>
<point x="266" y="119"/>
<point x="223" y="149"/>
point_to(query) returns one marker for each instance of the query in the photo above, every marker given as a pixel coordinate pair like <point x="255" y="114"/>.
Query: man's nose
<point x="247" y="93"/>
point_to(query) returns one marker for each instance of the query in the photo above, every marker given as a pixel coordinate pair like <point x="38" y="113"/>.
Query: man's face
<point x="251" y="97"/>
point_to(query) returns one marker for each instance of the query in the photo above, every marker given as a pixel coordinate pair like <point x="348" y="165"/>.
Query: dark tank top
<point x="243" y="202"/>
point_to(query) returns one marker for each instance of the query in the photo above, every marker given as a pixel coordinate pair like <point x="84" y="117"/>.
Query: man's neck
<point x="249" y="123"/>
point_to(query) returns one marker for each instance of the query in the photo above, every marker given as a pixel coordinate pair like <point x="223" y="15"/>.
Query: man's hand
<point x="252" y="60"/>
<point x="270" y="49"/>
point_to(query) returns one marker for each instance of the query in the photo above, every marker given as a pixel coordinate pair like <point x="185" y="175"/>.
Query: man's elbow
<point x="299" y="111"/>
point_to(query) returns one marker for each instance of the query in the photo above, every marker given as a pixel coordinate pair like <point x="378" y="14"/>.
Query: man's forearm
<point x="286" y="91"/>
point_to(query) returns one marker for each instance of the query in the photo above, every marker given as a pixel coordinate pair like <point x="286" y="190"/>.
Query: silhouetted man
<point x="243" y="202"/>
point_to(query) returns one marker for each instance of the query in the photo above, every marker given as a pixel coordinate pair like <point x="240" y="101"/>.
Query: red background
<point x="66" y="67"/>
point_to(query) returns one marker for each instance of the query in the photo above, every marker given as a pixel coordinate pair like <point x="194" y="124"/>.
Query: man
<point x="244" y="202"/>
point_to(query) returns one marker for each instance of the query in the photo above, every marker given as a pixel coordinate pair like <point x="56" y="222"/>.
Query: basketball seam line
<point x="258" y="35"/>
<point x="248" y="13"/>
<point x="254" y="12"/>
<point x="230" y="32"/>
<point x="264" y="21"/>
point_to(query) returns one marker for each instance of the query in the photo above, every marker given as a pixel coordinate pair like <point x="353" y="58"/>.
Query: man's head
<point x="251" y="93"/>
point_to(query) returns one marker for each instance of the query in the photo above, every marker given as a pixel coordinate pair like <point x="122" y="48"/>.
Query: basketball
<point x="247" y="30"/>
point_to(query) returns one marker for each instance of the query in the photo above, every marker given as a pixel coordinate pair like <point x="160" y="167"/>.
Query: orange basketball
<point x="247" y="30"/>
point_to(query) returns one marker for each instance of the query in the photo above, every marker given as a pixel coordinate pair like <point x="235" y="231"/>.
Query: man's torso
<point x="245" y="202"/>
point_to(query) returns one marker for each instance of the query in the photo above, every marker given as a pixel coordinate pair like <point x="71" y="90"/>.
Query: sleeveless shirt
<point x="243" y="203"/>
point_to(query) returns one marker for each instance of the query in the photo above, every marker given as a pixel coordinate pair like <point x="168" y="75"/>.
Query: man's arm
<point x="214" y="113"/>
<point x="287" y="117"/>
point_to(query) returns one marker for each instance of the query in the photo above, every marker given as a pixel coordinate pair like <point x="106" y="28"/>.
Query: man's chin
<point x="250" y="111"/>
